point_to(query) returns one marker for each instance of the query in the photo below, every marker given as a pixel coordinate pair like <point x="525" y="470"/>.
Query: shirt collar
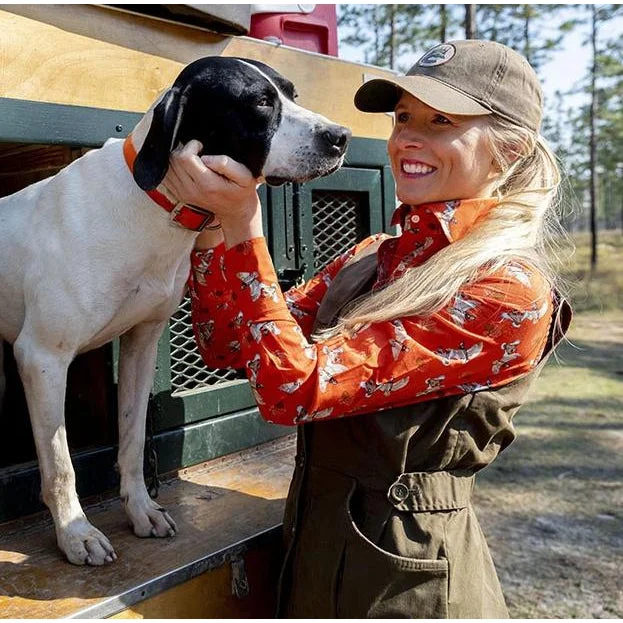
<point x="455" y="217"/>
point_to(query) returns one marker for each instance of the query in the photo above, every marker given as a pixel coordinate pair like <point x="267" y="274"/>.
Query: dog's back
<point x="65" y="240"/>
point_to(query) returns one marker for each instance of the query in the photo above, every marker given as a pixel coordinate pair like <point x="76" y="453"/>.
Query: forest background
<point x="551" y="505"/>
<point x="577" y="50"/>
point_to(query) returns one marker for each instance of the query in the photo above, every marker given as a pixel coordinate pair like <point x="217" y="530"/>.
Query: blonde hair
<point x="523" y="225"/>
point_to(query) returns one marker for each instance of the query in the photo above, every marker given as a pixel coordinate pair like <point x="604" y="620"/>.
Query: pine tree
<point x="395" y="35"/>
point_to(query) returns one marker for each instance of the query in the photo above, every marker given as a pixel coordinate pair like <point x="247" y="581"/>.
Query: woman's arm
<point x="216" y="322"/>
<point x="493" y="332"/>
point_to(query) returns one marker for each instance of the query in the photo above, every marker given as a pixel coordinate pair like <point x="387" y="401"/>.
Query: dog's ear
<point x="152" y="161"/>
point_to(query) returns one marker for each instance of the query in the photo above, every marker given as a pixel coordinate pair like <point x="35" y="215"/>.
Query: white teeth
<point x="416" y="168"/>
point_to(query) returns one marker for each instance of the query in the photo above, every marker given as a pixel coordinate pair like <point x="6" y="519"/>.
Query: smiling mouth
<point x="416" y="168"/>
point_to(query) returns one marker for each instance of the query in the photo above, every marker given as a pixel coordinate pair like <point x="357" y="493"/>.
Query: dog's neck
<point x="138" y="137"/>
<point x="182" y="215"/>
<point x="139" y="133"/>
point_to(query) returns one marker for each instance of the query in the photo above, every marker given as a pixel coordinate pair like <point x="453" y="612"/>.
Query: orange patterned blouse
<point x="493" y="331"/>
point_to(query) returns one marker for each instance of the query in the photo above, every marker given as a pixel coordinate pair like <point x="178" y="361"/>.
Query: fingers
<point x="216" y="183"/>
<point x="229" y="168"/>
<point x="190" y="177"/>
<point x="186" y="164"/>
<point x="189" y="166"/>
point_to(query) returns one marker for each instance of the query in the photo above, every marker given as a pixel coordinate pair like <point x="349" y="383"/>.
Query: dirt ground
<point x="551" y="505"/>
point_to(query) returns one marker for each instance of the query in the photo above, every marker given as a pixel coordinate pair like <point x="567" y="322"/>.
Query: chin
<point x="411" y="196"/>
<point x="413" y="200"/>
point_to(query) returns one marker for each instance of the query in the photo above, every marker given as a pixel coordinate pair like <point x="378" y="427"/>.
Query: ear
<point x="152" y="161"/>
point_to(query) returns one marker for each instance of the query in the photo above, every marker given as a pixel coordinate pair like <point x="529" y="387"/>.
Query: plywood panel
<point x="65" y="68"/>
<point x="75" y="62"/>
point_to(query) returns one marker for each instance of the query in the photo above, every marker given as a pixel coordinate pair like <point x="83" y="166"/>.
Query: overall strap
<point x="561" y="319"/>
<point x="354" y="278"/>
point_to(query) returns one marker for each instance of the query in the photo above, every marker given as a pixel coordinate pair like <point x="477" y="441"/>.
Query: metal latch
<point x="239" y="580"/>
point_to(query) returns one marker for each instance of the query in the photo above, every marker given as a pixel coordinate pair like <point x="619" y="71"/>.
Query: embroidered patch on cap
<point x="438" y="55"/>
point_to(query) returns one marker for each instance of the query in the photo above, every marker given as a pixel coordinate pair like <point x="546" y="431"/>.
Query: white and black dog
<point x="87" y="255"/>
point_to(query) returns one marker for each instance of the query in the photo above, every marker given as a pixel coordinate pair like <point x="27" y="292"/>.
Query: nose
<point x="407" y="137"/>
<point x="336" y="137"/>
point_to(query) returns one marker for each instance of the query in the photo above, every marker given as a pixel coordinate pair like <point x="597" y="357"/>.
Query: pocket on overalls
<point x="375" y="583"/>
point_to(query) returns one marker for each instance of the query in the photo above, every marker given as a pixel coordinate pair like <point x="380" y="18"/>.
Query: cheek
<point x="467" y="157"/>
<point x="392" y="150"/>
<point x="483" y="162"/>
<point x="477" y="150"/>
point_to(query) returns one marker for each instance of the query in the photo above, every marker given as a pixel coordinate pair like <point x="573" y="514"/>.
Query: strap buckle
<point x="188" y="216"/>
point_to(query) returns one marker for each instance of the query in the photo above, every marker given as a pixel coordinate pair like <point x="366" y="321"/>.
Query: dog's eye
<point x="264" y="102"/>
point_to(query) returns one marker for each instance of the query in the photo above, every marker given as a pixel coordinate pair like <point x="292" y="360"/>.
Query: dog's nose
<point x="337" y="137"/>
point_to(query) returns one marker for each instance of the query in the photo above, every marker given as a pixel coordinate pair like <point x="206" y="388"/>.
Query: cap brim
<point x="382" y="95"/>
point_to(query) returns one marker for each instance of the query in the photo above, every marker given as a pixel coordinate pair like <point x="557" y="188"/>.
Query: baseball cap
<point x="468" y="77"/>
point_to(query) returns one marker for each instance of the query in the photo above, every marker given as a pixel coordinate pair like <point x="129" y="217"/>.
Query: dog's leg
<point x="44" y="375"/>
<point x="136" y="372"/>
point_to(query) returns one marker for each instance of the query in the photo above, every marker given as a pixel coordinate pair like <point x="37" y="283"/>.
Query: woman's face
<point x="437" y="156"/>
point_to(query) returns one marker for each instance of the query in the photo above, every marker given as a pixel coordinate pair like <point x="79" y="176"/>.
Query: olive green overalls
<point x="378" y="519"/>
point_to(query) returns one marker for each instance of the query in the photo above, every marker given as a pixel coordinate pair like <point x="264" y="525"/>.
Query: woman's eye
<point x="441" y="120"/>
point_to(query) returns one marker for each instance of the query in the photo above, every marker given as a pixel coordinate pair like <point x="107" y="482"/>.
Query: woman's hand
<point x="221" y="185"/>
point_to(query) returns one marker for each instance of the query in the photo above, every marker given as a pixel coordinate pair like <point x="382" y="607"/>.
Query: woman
<point x="428" y="340"/>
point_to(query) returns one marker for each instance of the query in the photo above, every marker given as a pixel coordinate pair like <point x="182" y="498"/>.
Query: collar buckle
<point x="188" y="216"/>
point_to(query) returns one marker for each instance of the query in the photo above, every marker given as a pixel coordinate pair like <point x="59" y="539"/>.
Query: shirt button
<point x="399" y="492"/>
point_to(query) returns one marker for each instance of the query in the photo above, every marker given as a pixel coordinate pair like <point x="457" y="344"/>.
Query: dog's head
<point x="246" y="110"/>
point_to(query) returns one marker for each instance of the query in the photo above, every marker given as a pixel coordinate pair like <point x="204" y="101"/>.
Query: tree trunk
<point x="593" y="143"/>
<point x="526" y="34"/>
<point x="377" y="36"/>
<point x="392" y="36"/>
<point x="471" y="31"/>
<point x="443" y="22"/>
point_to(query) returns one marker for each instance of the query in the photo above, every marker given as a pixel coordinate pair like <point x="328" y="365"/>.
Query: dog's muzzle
<point x="336" y="138"/>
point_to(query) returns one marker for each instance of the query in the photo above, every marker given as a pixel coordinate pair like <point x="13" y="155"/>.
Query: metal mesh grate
<point x="338" y="224"/>
<point x="187" y="368"/>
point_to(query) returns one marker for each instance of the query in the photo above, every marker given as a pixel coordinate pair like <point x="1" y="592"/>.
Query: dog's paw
<point x="150" y="519"/>
<point x="84" y="544"/>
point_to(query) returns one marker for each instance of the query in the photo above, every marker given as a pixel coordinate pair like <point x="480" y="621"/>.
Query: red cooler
<point x="311" y="27"/>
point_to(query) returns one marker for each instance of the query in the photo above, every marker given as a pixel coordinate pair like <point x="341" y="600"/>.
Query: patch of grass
<point x="602" y="290"/>
<point x="551" y="505"/>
